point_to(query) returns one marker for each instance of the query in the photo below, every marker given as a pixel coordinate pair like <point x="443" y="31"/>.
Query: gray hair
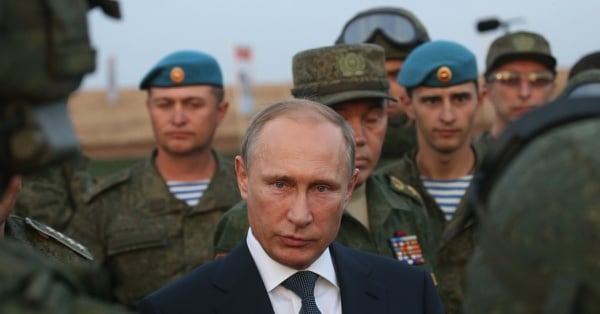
<point x="297" y="109"/>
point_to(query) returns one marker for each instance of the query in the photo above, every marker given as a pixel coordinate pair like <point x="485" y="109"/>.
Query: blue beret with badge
<point x="183" y="68"/>
<point x="438" y="63"/>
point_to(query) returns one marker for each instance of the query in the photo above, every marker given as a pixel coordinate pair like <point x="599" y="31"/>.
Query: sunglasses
<point x="513" y="78"/>
<point x="394" y="26"/>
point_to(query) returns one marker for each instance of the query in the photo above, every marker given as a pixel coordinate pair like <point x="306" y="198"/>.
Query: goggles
<point x="513" y="78"/>
<point x="396" y="27"/>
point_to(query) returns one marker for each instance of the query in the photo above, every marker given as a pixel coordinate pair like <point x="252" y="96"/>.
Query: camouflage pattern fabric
<point x="52" y="244"/>
<point x="454" y="239"/>
<point x="392" y="207"/>
<point x="399" y="140"/>
<point x="144" y="235"/>
<point x="32" y="283"/>
<point x="53" y="195"/>
<point x="544" y="209"/>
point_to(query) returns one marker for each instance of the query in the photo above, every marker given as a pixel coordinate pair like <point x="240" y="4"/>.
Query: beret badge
<point x="177" y="75"/>
<point x="444" y="74"/>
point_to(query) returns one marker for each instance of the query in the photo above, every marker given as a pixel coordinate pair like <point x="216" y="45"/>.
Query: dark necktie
<point x="302" y="284"/>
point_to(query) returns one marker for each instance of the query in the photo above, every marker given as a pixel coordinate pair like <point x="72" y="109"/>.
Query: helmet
<point x="45" y="53"/>
<point x="537" y="202"/>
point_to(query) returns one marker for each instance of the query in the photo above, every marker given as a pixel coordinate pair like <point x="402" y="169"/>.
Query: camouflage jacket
<point x="53" y="195"/>
<point x="31" y="283"/>
<point x="46" y="240"/>
<point x="399" y="140"/>
<point x="146" y="237"/>
<point x="455" y="238"/>
<point x="392" y="207"/>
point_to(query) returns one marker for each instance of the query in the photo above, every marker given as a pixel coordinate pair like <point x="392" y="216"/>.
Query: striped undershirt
<point x="189" y="192"/>
<point x="447" y="193"/>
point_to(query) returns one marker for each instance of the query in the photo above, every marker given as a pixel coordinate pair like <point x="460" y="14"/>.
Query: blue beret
<point x="184" y="68"/>
<point x="438" y="64"/>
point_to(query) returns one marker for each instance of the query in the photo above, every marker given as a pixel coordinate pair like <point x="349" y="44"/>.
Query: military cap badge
<point x="352" y="64"/>
<point x="444" y="74"/>
<point x="177" y="75"/>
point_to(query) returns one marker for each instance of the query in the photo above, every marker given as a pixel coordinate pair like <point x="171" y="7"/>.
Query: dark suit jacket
<point x="232" y="284"/>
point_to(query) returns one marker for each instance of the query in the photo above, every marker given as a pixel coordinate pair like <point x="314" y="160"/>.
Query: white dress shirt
<point x="284" y="301"/>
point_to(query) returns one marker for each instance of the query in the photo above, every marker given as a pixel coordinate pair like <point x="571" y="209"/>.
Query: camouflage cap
<point x="438" y="63"/>
<point x="183" y="68"/>
<point x="518" y="46"/>
<point x="334" y="74"/>
<point x="584" y="84"/>
<point x="395" y="29"/>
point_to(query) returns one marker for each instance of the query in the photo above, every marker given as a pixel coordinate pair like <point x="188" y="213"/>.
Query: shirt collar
<point x="273" y="273"/>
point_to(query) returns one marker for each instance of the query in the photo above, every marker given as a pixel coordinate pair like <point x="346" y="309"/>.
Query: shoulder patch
<point x="400" y="186"/>
<point x="106" y="184"/>
<point x="63" y="239"/>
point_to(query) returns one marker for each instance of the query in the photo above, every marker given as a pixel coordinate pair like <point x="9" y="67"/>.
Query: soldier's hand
<point x="9" y="197"/>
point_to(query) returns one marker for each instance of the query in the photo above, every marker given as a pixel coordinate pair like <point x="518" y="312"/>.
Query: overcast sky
<point x="277" y="29"/>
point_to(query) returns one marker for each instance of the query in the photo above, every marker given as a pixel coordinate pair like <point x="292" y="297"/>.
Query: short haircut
<point x="297" y="109"/>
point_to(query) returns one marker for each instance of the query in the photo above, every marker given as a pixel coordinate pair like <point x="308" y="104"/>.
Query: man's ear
<point x="222" y="110"/>
<point x="242" y="176"/>
<point x="351" y="186"/>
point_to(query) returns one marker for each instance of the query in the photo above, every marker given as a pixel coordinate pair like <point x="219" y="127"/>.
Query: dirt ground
<point x="122" y="129"/>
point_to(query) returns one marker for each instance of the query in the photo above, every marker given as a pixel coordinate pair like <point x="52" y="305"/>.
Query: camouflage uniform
<point x="144" y="235"/>
<point x="537" y="199"/>
<point x="392" y="207"/>
<point x="51" y="243"/>
<point x="454" y="238"/>
<point x="53" y="195"/>
<point x="32" y="283"/>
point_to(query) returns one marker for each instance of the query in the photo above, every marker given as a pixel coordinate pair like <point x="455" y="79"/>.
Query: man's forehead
<point x="468" y="87"/>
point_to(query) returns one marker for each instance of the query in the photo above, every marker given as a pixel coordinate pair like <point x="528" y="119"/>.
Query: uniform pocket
<point x="128" y="242"/>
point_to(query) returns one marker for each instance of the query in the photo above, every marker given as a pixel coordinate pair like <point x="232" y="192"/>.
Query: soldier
<point x="384" y="216"/>
<point x="53" y="195"/>
<point x="45" y="53"/>
<point x="398" y="31"/>
<point x="441" y="82"/>
<point x="520" y="75"/>
<point x="154" y="221"/>
<point x="537" y="201"/>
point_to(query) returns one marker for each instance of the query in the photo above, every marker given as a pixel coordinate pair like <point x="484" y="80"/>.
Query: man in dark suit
<point x="296" y="172"/>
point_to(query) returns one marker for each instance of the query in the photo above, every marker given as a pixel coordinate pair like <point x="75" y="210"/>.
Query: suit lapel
<point x="359" y="294"/>
<point x="239" y="280"/>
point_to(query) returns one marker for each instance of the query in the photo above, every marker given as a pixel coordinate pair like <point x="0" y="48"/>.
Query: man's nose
<point x="299" y="213"/>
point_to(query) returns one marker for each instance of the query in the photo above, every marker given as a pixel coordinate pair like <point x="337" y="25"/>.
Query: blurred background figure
<point x="45" y="53"/>
<point x="537" y="202"/>
<point x="398" y="31"/>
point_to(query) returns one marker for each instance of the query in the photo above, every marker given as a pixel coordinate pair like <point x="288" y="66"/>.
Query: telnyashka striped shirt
<point x="189" y="192"/>
<point x="447" y="193"/>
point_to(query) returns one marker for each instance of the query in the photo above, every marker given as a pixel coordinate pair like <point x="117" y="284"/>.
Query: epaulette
<point x="399" y="186"/>
<point x="47" y="231"/>
<point x="106" y="184"/>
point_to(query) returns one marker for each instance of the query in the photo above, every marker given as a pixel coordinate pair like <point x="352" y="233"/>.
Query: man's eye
<point x="279" y="185"/>
<point x="322" y="188"/>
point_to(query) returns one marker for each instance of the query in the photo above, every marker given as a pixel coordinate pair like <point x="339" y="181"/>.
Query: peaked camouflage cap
<point x="339" y="73"/>
<point x="519" y="45"/>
